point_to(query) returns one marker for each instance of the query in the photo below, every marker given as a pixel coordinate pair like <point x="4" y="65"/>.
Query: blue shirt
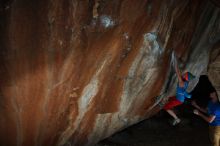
<point x="181" y="93"/>
<point x="214" y="109"/>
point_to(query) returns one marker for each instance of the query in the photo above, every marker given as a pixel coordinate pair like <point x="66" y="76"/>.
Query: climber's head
<point x="187" y="76"/>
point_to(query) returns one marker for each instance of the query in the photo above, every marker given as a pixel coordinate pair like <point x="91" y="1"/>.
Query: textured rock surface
<point x="73" y="72"/>
<point x="214" y="67"/>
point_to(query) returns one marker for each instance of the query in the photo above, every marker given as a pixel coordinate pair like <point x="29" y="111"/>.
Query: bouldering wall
<point x="214" y="67"/>
<point x="73" y="72"/>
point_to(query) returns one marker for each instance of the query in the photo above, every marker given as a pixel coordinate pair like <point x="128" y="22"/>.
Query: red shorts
<point x="172" y="103"/>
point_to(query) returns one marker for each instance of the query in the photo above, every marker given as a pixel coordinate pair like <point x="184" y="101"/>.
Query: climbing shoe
<point x="176" y="121"/>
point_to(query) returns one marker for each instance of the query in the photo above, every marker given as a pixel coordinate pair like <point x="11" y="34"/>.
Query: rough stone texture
<point x="214" y="67"/>
<point x="73" y="72"/>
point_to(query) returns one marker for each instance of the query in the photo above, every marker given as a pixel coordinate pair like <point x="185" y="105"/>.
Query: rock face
<point x="214" y="67"/>
<point x="73" y="72"/>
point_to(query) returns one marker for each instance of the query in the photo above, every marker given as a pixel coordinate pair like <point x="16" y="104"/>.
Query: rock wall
<point x="73" y="72"/>
<point x="214" y="67"/>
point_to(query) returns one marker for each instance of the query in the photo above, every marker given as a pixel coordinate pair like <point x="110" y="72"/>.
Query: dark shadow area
<point x="158" y="130"/>
<point x="202" y="90"/>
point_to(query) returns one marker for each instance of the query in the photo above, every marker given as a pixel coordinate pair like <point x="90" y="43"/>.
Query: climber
<point x="181" y="94"/>
<point x="213" y="117"/>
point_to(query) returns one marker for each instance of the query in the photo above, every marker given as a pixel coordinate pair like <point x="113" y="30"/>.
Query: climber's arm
<point x="181" y="82"/>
